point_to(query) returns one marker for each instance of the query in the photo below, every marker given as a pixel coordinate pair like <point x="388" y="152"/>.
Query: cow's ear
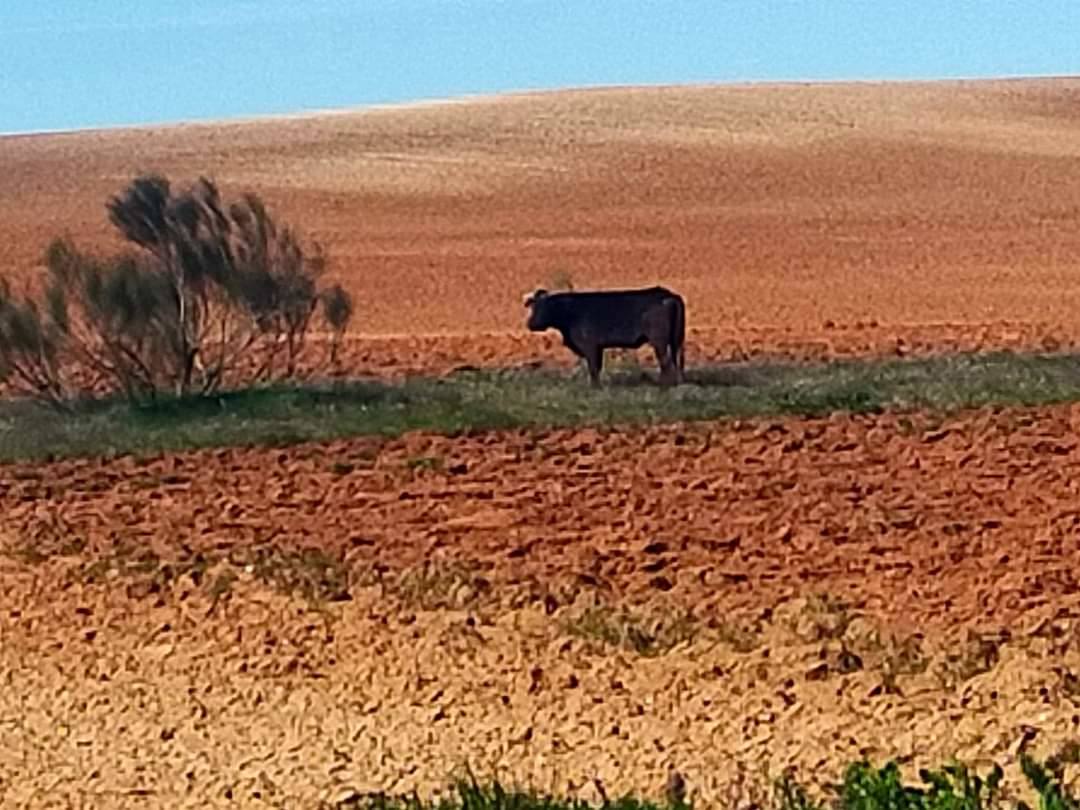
<point x="534" y="296"/>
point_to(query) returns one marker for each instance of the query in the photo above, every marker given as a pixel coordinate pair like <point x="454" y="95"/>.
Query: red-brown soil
<point x="468" y="559"/>
<point x="919" y="521"/>
<point x="860" y="586"/>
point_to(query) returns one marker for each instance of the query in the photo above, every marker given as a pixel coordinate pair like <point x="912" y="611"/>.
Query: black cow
<point x="615" y="319"/>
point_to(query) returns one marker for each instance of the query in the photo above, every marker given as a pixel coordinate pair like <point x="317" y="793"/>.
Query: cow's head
<point x="536" y="303"/>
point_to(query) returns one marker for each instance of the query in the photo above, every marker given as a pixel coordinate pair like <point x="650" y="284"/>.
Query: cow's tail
<point x="678" y="337"/>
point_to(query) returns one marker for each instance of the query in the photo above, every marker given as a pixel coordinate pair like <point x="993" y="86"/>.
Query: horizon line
<point x="494" y="96"/>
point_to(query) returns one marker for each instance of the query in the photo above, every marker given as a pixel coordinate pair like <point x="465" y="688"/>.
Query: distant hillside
<point x="764" y="204"/>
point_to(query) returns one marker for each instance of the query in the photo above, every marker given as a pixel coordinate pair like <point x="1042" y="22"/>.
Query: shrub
<point x="212" y="292"/>
<point x="29" y="347"/>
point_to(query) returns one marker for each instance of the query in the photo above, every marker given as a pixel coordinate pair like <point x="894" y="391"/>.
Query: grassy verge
<point x="481" y="400"/>
<point x="863" y="787"/>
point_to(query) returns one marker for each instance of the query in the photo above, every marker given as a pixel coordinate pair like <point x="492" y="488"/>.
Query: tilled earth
<point x="576" y="610"/>
<point x="239" y="627"/>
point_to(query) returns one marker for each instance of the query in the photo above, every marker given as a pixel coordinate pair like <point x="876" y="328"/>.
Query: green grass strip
<point x="482" y="400"/>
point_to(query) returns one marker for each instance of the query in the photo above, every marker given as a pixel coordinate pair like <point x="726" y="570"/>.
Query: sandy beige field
<point x="576" y="609"/>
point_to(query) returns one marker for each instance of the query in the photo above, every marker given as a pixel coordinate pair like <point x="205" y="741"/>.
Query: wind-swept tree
<point x="211" y="293"/>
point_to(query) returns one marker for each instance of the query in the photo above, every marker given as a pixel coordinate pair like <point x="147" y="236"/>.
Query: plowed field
<point x="794" y="568"/>
<point x="576" y="609"/>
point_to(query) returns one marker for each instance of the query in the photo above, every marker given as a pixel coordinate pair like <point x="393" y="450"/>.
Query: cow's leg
<point x="678" y="337"/>
<point x="656" y="333"/>
<point x="587" y="347"/>
<point x="575" y="344"/>
<point x="668" y="367"/>
<point x="656" y="326"/>
<point x="594" y="356"/>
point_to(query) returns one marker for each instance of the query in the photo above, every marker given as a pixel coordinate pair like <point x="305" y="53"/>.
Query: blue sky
<point x="67" y="64"/>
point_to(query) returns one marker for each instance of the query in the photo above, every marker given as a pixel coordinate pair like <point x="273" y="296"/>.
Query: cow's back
<point x="612" y="316"/>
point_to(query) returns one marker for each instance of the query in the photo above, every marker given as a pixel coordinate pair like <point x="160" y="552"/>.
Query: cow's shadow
<point x="725" y="375"/>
